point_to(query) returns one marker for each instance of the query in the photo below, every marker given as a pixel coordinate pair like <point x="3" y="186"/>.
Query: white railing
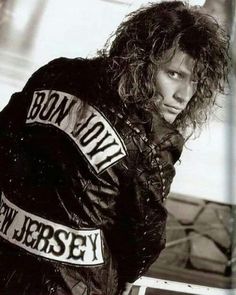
<point x="146" y="282"/>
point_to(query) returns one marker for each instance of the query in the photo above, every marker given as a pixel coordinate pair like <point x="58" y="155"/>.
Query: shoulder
<point x="149" y="147"/>
<point x="54" y="71"/>
<point x="160" y="137"/>
<point x="77" y="76"/>
<point x="166" y="137"/>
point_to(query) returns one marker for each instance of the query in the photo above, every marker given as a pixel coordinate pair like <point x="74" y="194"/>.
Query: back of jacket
<point x="82" y="188"/>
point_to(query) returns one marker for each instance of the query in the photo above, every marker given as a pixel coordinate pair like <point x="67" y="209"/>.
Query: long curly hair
<point x="141" y="44"/>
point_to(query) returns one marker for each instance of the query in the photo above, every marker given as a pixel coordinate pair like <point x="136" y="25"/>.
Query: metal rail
<point x="146" y="282"/>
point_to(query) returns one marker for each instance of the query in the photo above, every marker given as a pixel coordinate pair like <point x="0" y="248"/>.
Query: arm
<point x="150" y="173"/>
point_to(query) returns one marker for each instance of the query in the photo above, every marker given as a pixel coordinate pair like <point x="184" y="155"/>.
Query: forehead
<point x="180" y="61"/>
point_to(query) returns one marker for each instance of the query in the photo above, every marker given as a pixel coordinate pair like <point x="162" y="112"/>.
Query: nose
<point x="184" y="93"/>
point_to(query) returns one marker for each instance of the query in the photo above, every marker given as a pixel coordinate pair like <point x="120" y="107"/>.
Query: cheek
<point x="165" y="86"/>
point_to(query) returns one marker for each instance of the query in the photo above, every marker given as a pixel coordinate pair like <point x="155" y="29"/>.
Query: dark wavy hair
<point x="141" y="44"/>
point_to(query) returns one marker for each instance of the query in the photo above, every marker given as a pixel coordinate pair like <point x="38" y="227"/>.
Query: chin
<point x="170" y="119"/>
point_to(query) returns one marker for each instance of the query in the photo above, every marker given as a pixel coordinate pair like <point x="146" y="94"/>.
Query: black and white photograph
<point x="117" y="147"/>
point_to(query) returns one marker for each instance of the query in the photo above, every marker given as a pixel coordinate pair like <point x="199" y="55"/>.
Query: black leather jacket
<point x="82" y="196"/>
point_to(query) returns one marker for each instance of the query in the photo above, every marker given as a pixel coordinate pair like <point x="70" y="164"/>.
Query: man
<point x="88" y="149"/>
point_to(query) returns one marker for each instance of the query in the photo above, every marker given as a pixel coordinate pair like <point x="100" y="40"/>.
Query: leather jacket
<point x="82" y="185"/>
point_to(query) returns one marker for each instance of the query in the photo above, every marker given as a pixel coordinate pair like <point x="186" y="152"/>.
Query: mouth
<point x="173" y="109"/>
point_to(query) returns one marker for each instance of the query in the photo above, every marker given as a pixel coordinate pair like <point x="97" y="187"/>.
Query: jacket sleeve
<point x="145" y="187"/>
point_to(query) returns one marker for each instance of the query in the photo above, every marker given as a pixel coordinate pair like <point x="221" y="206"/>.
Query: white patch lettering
<point x="93" y="134"/>
<point x="48" y="239"/>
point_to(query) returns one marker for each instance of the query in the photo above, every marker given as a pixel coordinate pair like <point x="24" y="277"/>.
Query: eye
<point x="174" y="75"/>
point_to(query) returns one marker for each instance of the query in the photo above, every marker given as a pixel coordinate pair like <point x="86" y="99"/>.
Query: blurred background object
<point x="221" y="10"/>
<point x="199" y="248"/>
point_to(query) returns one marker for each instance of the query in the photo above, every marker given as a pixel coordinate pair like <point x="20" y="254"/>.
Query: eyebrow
<point x="185" y="71"/>
<point x="180" y="71"/>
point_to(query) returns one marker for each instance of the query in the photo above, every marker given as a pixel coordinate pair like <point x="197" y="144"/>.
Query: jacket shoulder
<point x="159" y="138"/>
<point x="51" y="72"/>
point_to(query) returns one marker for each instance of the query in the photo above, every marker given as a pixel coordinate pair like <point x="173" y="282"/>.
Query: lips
<point x="173" y="109"/>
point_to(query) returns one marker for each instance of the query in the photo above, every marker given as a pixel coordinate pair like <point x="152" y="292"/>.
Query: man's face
<point x="175" y="85"/>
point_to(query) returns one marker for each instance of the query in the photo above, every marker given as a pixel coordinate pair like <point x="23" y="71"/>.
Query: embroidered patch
<point x="93" y="134"/>
<point x="48" y="239"/>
